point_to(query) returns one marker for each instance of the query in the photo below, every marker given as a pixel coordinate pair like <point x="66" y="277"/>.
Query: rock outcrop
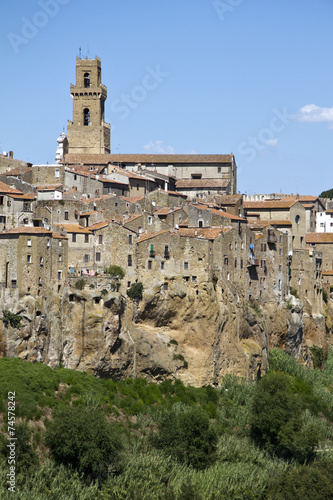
<point x="197" y="334"/>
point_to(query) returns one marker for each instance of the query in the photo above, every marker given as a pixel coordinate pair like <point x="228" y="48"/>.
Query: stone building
<point x="16" y="208"/>
<point x="306" y="278"/>
<point x="80" y="248"/>
<point x="88" y="132"/>
<point x="33" y="260"/>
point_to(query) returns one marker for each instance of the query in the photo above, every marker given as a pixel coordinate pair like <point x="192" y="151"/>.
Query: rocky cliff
<point x="195" y="334"/>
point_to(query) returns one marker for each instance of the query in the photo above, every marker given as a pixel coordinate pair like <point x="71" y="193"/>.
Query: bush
<point x="324" y="295"/>
<point x="83" y="439"/>
<point x="135" y="292"/>
<point x="317" y="356"/>
<point x="11" y="319"/>
<point x="293" y="292"/>
<point x="276" y="419"/>
<point x="80" y="284"/>
<point x="188" y="436"/>
<point x="116" y="271"/>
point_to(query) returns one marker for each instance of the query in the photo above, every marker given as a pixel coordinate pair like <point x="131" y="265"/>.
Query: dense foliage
<point x="115" y="270"/>
<point x="83" y="437"/>
<point x="327" y="194"/>
<point x="135" y="291"/>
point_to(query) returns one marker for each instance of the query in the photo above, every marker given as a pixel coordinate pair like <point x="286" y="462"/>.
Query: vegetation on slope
<point x="83" y="437"/>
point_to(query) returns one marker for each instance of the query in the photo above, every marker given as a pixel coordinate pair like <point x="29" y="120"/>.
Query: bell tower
<point x="88" y="133"/>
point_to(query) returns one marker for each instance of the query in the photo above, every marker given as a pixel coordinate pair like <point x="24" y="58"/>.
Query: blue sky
<point x="251" y="77"/>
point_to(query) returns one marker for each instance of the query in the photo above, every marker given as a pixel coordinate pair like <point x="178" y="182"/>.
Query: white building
<point x="324" y="222"/>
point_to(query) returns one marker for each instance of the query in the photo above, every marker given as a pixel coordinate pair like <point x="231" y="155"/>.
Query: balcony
<point x="152" y="253"/>
<point x="252" y="262"/>
<point x="166" y="254"/>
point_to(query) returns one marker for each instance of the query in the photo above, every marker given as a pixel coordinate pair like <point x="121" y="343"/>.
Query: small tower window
<point x="86" y="80"/>
<point x="86" y="117"/>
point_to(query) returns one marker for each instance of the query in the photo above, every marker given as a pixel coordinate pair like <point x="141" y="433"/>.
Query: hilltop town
<point x="125" y="264"/>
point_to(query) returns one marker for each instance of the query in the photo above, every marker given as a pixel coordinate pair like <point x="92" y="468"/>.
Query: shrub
<point x="188" y="436"/>
<point x="116" y="271"/>
<point x="317" y="356"/>
<point x="293" y="292"/>
<point x="173" y="341"/>
<point x="135" y="292"/>
<point x="11" y="319"/>
<point x="276" y="419"/>
<point x="104" y="291"/>
<point x="80" y="284"/>
<point x="83" y="439"/>
<point x="324" y="295"/>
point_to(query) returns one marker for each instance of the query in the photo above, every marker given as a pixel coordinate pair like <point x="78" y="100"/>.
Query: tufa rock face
<point x="197" y="334"/>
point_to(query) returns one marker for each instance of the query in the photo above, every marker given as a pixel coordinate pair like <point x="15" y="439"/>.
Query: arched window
<point x="86" y="80"/>
<point x="86" y="116"/>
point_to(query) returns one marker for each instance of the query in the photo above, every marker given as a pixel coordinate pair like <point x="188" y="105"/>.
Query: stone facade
<point x="88" y="132"/>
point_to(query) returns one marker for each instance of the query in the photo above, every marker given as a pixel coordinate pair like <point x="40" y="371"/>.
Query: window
<point x="86" y="258"/>
<point x="219" y="169"/>
<point x="86" y="238"/>
<point x="66" y="215"/>
<point x="86" y="80"/>
<point x="14" y="284"/>
<point x="86" y="117"/>
<point x="1" y="200"/>
<point x="225" y="261"/>
<point x="48" y="243"/>
<point x="57" y="172"/>
<point x="9" y="203"/>
<point x="129" y="260"/>
<point x="196" y="176"/>
<point x="165" y="286"/>
<point x="194" y="278"/>
<point x="29" y="259"/>
<point x="228" y="276"/>
<point x="235" y="263"/>
<point x="200" y="223"/>
<point x="130" y="239"/>
<point x="185" y="265"/>
<point x="322" y="224"/>
<point x="241" y="264"/>
<point x="100" y="239"/>
<point x="75" y="177"/>
<point x="98" y="256"/>
<point x="280" y="267"/>
<point x="162" y="265"/>
<point x="60" y="243"/>
<point x="116" y="204"/>
<point x="150" y="219"/>
<point x="29" y="242"/>
<point x="152" y="251"/>
<point x="25" y="221"/>
<point x="74" y="237"/>
<point x="27" y="206"/>
<point x="280" y="252"/>
<point x="41" y="261"/>
<point x="59" y="275"/>
<point x="137" y="187"/>
<point x="301" y="241"/>
<point x="281" y="239"/>
<point x="297" y="219"/>
<point x="149" y="264"/>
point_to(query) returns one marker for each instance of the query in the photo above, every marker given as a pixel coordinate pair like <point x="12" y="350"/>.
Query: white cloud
<point x="157" y="147"/>
<point x="272" y="142"/>
<point x="315" y="114"/>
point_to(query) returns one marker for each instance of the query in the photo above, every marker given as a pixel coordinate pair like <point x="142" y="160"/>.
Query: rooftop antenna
<point x="80" y="52"/>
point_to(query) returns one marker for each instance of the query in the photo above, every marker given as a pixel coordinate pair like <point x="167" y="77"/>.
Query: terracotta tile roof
<point x="329" y="211"/>
<point x="4" y="188"/>
<point x="221" y="213"/>
<point x="269" y="204"/>
<point x="319" y="238"/>
<point x="166" y="210"/>
<point x="201" y="183"/>
<point x="17" y="171"/>
<point x="184" y="223"/>
<point x="303" y="198"/>
<point x="223" y="199"/>
<point x="73" y="228"/>
<point x="27" y="230"/>
<point x="130" y="218"/>
<point x="328" y="272"/>
<point x="260" y="224"/>
<point x="111" y="181"/>
<point x="25" y="196"/>
<point x="104" y="159"/>
<point x="83" y="214"/>
<point x="148" y="236"/>
<point x="271" y="222"/>
<point x="98" y="225"/>
<point x="131" y="199"/>
<point x="207" y="233"/>
<point x="59" y="236"/>
<point x="176" y="193"/>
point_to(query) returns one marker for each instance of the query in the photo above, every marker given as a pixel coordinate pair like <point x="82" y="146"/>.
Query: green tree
<point x="116" y="271"/>
<point x="276" y="419"/>
<point x="135" y="292"/>
<point x="188" y="436"/>
<point x="327" y="194"/>
<point x="83" y="439"/>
